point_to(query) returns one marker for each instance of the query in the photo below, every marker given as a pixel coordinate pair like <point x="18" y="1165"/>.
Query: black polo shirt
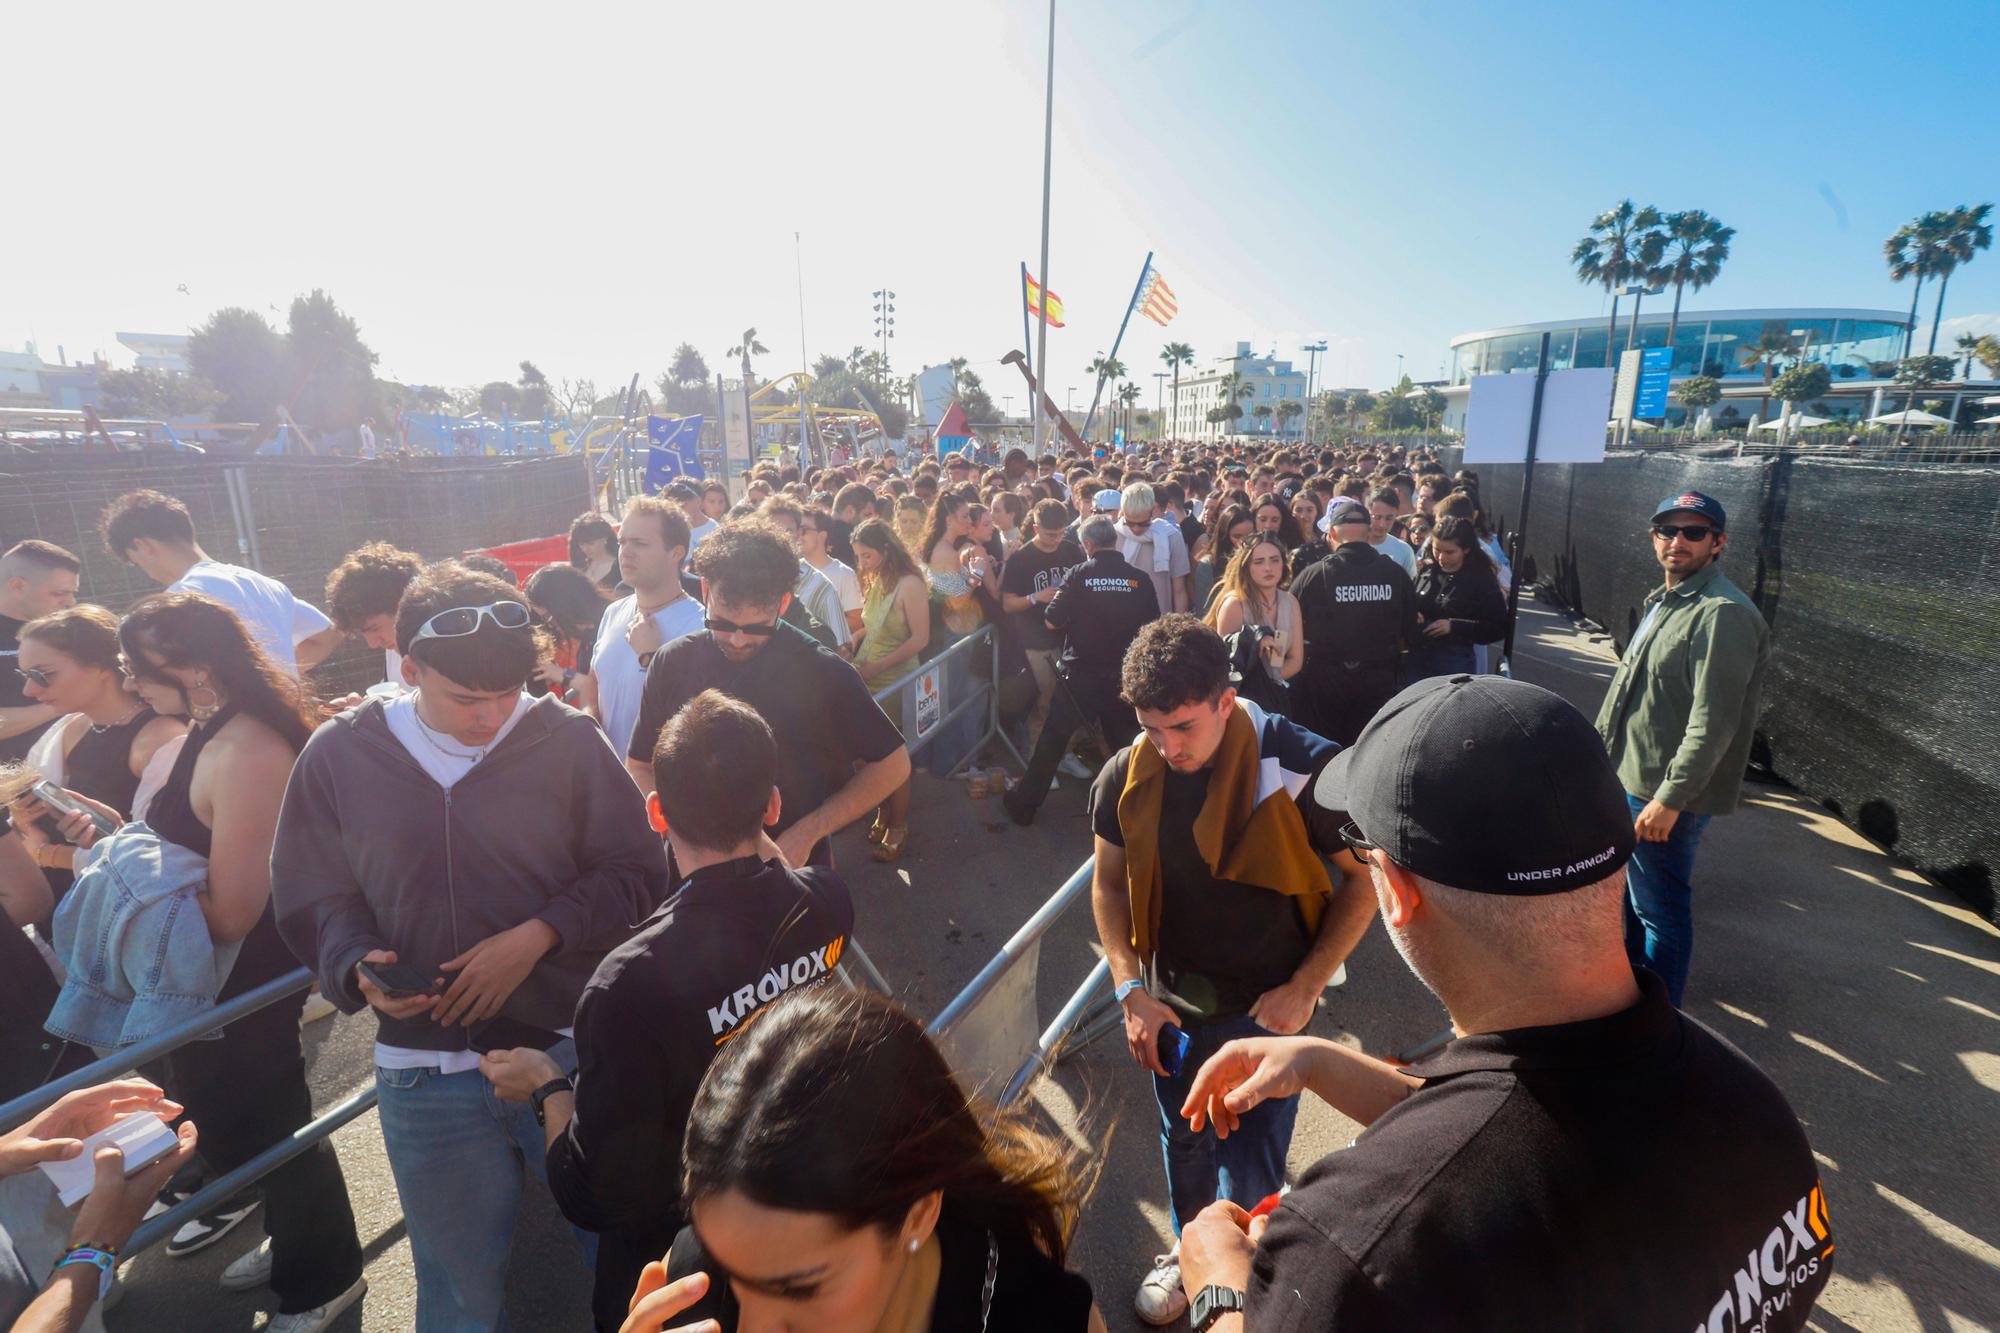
<point x="1632" y="1172"/>
<point x="1099" y="610"/>
<point x="818" y="710"/>
<point x="1357" y="605"/>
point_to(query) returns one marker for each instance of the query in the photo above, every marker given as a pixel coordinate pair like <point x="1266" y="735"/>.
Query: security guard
<point x="1099" y="609"/>
<point x="1358" y="609"/>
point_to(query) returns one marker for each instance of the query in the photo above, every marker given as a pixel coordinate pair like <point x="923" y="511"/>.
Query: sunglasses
<point x="1693" y="532"/>
<point x="1357" y="842"/>
<point x="459" y="621"/>
<point x="34" y="676"/>
<point x="717" y="626"/>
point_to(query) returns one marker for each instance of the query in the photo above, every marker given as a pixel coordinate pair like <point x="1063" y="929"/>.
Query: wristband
<point x="541" y="1095"/>
<point x="1126" y="988"/>
<point x="104" y="1258"/>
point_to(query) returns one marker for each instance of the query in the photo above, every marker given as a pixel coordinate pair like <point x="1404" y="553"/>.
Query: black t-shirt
<point x="1356" y="605"/>
<point x="1030" y="570"/>
<point x="1221" y="943"/>
<point x="818" y="710"/>
<point x="840" y="541"/>
<point x="1030" y="1291"/>
<point x="1191" y="531"/>
<point x="13" y="692"/>
<point x="1621" y="1173"/>
<point x="1100" y="609"/>
<point x="732" y="939"/>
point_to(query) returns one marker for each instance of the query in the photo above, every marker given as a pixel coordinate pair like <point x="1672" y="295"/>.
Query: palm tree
<point x="1913" y="252"/>
<point x="1288" y="409"/>
<point x="1623" y="246"/>
<point x="1230" y="388"/>
<point x="746" y="349"/>
<point x="1176" y="355"/>
<point x="1965" y="232"/>
<point x="1109" y="370"/>
<point x="1968" y="348"/>
<point x="1263" y="416"/>
<point x="1128" y="396"/>
<point x="1770" y="345"/>
<point x="1695" y="246"/>
<point x="1988" y="353"/>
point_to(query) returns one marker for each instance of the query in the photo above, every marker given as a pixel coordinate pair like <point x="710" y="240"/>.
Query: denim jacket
<point x="133" y="941"/>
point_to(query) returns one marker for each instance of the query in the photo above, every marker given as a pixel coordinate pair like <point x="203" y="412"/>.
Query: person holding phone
<point x="461" y="854"/>
<point x="1217" y="916"/>
<point x="742" y="929"/>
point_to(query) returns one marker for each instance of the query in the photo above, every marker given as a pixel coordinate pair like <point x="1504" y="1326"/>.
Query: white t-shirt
<point x="697" y="535"/>
<point x="1398" y="550"/>
<point x="447" y="761"/>
<point x="367" y="441"/>
<point x="816" y="591"/>
<point x="278" y="622"/>
<point x="845" y="582"/>
<point x="620" y="679"/>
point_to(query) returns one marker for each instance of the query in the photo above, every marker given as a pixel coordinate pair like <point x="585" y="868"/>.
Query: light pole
<point x="1159" y="402"/>
<point x="1399" y="367"/>
<point x="1048" y="158"/>
<point x="885" y="324"/>
<point x="1635" y="290"/>
<point x="1313" y="351"/>
<point x="1006" y="404"/>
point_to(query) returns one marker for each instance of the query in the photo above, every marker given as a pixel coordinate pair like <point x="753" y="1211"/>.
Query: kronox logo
<point x="729" y="1018"/>
<point x="1793" y="1253"/>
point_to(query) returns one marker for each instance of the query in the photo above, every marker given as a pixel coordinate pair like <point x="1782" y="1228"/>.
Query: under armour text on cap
<point x="1694" y="502"/>
<point x="1484" y="784"/>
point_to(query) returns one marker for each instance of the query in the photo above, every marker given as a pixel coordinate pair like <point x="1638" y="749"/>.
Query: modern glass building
<point x="1733" y="346"/>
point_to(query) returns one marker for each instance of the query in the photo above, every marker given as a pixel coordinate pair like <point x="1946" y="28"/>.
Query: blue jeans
<point x="1243" y="1168"/>
<point x="1659" y="901"/>
<point x="458" y="1154"/>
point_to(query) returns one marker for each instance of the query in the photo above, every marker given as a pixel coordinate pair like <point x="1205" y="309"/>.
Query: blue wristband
<point x="1126" y="988"/>
<point x="104" y="1261"/>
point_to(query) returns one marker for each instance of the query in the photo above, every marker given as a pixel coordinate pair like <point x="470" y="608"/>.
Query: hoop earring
<point x="202" y="712"/>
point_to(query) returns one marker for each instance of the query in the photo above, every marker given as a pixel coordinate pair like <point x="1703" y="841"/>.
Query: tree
<point x="1914" y="252"/>
<point x="1801" y="383"/>
<point x="1988" y="353"/>
<point x="825" y="366"/>
<point x="1917" y="373"/>
<point x="1965" y="232"/>
<point x="746" y="349"/>
<point x="1360" y="403"/>
<point x="1624" y="245"/>
<point x="1290" y="409"/>
<point x="330" y="371"/>
<point x="534" y="401"/>
<point x="1431" y="403"/>
<point x="1262" y="413"/>
<point x="1396" y="409"/>
<point x="1174" y="356"/>
<point x="573" y="398"/>
<point x="1697" y="392"/>
<point x="244" y="358"/>
<point x="687" y="366"/>
<point x="498" y="398"/>
<point x="1968" y="348"/>
<point x="1333" y="410"/>
<point x="1128" y="396"/>
<point x="1694" y="246"/>
<point x="153" y="395"/>
<point x="432" y="397"/>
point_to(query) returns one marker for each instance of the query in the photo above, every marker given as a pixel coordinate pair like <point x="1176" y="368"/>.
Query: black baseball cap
<point x="1343" y="510"/>
<point x="1694" y="502"/>
<point x="1484" y="784"/>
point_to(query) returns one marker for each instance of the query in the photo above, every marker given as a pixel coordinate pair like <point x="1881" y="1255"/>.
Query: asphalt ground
<point x="1870" y="995"/>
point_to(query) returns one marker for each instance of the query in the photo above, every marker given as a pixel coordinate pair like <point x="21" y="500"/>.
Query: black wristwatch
<point x="1210" y="1304"/>
<point x="543" y="1093"/>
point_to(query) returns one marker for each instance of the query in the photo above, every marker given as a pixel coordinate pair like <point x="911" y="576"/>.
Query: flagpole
<point x="1027" y="336"/>
<point x="1131" y="305"/>
<point x="799" y="267"/>
<point x="1048" y="150"/>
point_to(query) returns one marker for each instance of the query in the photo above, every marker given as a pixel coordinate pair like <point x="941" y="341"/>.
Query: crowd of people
<point x="575" y="853"/>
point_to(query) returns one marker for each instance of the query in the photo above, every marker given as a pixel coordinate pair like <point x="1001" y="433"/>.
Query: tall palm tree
<point x="1263" y="416"/>
<point x="687" y="366"/>
<point x="1968" y="348"/>
<point x="1966" y="231"/>
<point x="1913" y="252"/>
<point x="1694" y="247"/>
<point x="1176" y="355"/>
<point x="1288" y="409"/>
<point x="1128" y="396"/>
<point x="1623" y="246"/>
<point x="746" y="349"/>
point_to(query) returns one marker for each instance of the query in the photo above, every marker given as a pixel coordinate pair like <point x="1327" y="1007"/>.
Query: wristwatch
<point x="1210" y="1304"/>
<point x="543" y="1093"/>
<point x="1126" y="988"/>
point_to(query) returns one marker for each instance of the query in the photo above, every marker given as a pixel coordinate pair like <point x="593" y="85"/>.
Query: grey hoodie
<point x="372" y="853"/>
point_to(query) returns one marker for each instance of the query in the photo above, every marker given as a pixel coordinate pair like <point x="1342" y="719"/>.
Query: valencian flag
<point x="1156" y="300"/>
<point x="1054" y="314"/>
<point x="672" y="454"/>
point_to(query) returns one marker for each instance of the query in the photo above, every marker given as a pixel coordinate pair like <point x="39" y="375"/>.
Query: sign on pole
<point x="1626" y="392"/>
<point x="1501" y="408"/>
<point x="1656" y="372"/>
<point x="930" y="703"/>
<point x="735" y="433"/>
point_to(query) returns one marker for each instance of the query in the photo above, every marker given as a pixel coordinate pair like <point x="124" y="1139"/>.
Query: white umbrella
<point x="1799" y="422"/>
<point x="1909" y="417"/>
<point x="1988" y="421"/>
<point x="1993" y="401"/>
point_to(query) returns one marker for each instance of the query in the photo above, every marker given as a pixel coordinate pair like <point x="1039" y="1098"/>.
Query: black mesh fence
<point x="293" y="518"/>
<point x="1881" y="584"/>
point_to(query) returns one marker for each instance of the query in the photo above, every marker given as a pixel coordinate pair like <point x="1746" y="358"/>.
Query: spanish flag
<point x="1053" y="314"/>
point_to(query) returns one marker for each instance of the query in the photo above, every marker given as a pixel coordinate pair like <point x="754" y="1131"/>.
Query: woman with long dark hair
<point x="895" y="626"/>
<point x="593" y="548"/>
<point x="1270" y="514"/>
<point x="838" y="1179"/>
<point x="188" y="656"/>
<point x="1230" y="528"/>
<point x="571" y="605"/>
<point x="1459" y="602"/>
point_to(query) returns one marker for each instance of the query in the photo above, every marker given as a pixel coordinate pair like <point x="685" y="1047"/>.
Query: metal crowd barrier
<point x="909" y="710"/>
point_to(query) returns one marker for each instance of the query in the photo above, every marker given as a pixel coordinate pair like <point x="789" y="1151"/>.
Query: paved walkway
<point x="1868" y="994"/>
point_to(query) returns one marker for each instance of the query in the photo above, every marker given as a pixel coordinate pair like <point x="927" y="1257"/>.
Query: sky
<point x="589" y="185"/>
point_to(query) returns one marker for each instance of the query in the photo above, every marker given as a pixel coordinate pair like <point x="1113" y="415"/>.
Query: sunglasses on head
<point x="1694" y="532"/>
<point x="459" y="621"/>
<point x="33" y="675"/>
<point x="719" y="626"/>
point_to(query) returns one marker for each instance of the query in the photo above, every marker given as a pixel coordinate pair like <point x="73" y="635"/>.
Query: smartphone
<point x="60" y="801"/>
<point x="504" y="1034"/>
<point x="398" y="981"/>
<point x="1172" y="1046"/>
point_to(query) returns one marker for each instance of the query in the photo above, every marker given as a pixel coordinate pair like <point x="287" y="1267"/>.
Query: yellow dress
<point x="884" y="627"/>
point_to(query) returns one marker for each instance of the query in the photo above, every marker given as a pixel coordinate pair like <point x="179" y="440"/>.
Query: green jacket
<point x="1682" y="707"/>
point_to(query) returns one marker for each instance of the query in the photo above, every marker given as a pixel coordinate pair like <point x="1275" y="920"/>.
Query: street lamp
<point x="1313" y="351"/>
<point x="1159" y="389"/>
<point x="885" y="324"/>
<point x="1635" y="290"/>
<point x="1006" y="404"/>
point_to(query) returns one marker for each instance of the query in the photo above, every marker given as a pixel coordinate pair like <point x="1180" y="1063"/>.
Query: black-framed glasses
<point x="1357" y="841"/>
<point x="458" y="621"/>
<point x="719" y="626"/>
<point x="1693" y="532"/>
<point x="34" y="676"/>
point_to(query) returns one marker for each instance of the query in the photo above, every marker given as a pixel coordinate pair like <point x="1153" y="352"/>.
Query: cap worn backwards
<point x="1484" y="784"/>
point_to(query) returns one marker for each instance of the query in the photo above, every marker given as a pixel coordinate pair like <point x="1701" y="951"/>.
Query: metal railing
<point x="986" y="693"/>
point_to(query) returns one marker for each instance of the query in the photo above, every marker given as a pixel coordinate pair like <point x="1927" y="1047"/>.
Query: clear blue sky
<point x="482" y="183"/>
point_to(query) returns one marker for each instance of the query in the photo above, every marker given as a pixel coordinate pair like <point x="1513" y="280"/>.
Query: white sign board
<point x="1575" y="406"/>
<point x="930" y="703"/>
<point x="735" y="435"/>
<point x="1626" y="391"/>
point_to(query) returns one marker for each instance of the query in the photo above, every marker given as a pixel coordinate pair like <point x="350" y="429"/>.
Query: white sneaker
<point x="1339" y="977"/>
<point x="317" y="1007"/>
<point x="1160" y="1300"/>
<point x="1073" y="767"/>
<point x="320" y="1316"/>
<point x="249" y="1270"/>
